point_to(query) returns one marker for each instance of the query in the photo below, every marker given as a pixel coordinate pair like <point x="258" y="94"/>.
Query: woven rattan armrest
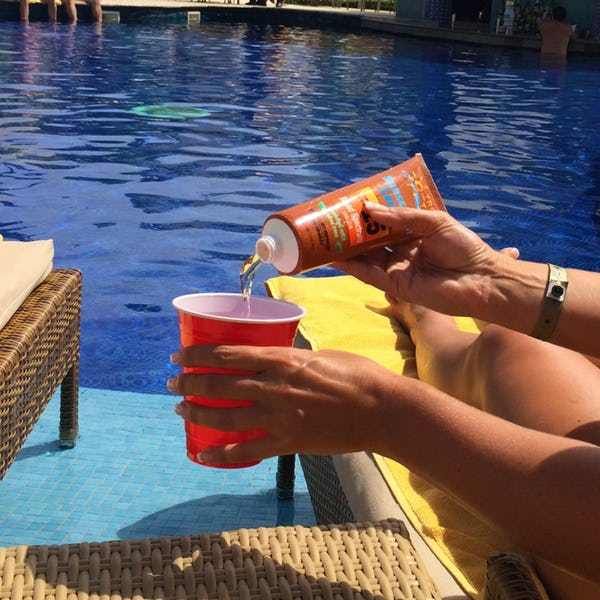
<point x="509" y="576"/>
<point x="343" y="562"/>
<point x="39" y="350"/>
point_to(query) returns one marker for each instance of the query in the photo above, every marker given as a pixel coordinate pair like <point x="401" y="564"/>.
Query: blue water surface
<point x="152" y="208"/>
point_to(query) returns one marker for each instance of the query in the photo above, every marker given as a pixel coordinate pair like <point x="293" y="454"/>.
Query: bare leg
<point x="24" y="10"/>
<point x="71" y="10"/>
<point x="523" y="380"/>
<point x="532" y="383"/>
<point x="52" y="11"/>
<point x="96" y="11"/>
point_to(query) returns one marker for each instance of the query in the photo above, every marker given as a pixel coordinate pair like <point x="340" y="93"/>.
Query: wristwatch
<point x="554" y="298"/>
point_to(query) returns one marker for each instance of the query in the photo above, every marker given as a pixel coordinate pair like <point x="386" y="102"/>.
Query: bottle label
<point x="336" y="225"/>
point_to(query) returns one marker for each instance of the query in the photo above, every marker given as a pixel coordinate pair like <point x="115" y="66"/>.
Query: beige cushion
<point x="23" y="266"/>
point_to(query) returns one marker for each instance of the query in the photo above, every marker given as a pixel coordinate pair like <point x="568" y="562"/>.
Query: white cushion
<point x="23" y="266"/>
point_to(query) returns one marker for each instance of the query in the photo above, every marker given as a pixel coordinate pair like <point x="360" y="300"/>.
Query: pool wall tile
<point x="128" y="477"/>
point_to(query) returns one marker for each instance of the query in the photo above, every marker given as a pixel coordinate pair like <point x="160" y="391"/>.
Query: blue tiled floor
<point x="128" y="477"/>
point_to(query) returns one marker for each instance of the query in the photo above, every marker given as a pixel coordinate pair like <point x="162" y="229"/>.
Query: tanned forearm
<point x="513" y="297"/>
<point x="541" y="490"/>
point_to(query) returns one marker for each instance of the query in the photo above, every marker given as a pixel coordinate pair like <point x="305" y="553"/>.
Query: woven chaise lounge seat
<point x="39" y="350"/>
<point x="345" y="562"/>
<point x="359" y="561"/>
<point x="344" y="314"/>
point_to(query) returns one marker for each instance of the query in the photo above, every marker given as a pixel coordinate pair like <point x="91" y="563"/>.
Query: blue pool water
<point x="152" y="208"/>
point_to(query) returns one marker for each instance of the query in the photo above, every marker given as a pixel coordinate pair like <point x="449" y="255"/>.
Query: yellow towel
<point x="345" y="314"/>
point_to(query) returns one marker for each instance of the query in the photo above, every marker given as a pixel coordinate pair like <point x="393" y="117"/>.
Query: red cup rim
<point x="177" y="303"/>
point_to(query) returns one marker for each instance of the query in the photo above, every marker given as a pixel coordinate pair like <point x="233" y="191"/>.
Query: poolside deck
<point x="389" y="24"/>
<point x="345" y="16"/>
<point x="131" y="479"/>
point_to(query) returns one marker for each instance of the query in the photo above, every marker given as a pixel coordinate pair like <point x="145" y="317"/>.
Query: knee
<point x="495" y="342"/>
<point x="492" y="357"/>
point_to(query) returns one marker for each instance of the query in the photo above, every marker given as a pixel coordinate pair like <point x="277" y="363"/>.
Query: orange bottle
<point x="336" y="226"/>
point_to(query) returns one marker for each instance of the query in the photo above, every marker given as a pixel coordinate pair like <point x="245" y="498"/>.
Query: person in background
<point x="70" y="8"/>
<point x="24" y="10"/>
<point x="96" y="10"/>
<point x="556" y="33"/>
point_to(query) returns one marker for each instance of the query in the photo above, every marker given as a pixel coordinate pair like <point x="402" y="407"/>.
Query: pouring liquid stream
<point x="247" y="275"/>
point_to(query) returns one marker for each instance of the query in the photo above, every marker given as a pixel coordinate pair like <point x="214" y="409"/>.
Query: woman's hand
<point x="318" y="402"/>
<point x="441" y="265"/>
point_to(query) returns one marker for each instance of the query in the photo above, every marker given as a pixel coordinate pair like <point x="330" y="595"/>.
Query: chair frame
<point x="39" y="350"/>
<point x="508" y="576"/>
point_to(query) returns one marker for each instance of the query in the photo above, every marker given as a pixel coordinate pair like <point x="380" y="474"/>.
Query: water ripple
<point x="149" y="208"/>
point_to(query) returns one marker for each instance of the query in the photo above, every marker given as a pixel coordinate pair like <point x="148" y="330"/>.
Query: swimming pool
<point x="151" y="208"/>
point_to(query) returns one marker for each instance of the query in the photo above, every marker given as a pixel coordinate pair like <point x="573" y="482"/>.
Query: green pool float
<point x="169" y="111"/>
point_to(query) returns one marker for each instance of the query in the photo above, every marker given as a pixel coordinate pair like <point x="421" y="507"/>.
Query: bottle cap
<point x="266" y="248"/>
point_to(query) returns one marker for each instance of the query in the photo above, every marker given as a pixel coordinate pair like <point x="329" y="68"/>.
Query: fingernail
<point x="204" y="456"/>
<point x="372" y="205"/>
<point x="172" y="384"/>
<point x="175" y="358"/>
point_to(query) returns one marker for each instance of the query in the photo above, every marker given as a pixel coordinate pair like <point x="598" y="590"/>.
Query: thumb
<point x="414" y="222"/>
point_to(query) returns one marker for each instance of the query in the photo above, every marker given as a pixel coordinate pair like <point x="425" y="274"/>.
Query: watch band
<point x="554" y="298"/>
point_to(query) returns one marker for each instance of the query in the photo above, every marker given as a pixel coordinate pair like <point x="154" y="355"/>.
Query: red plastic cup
<point x="213" y="319"/>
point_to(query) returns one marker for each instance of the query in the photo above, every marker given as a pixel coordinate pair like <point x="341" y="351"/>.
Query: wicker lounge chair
<point x="39" y="350"/>
<point x="346" y="562"/>
<point x="509" y="576"/>
<point x="361" y="561"/>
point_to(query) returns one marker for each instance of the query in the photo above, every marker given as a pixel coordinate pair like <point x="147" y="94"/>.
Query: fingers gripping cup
<point x="228" y="319"/>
